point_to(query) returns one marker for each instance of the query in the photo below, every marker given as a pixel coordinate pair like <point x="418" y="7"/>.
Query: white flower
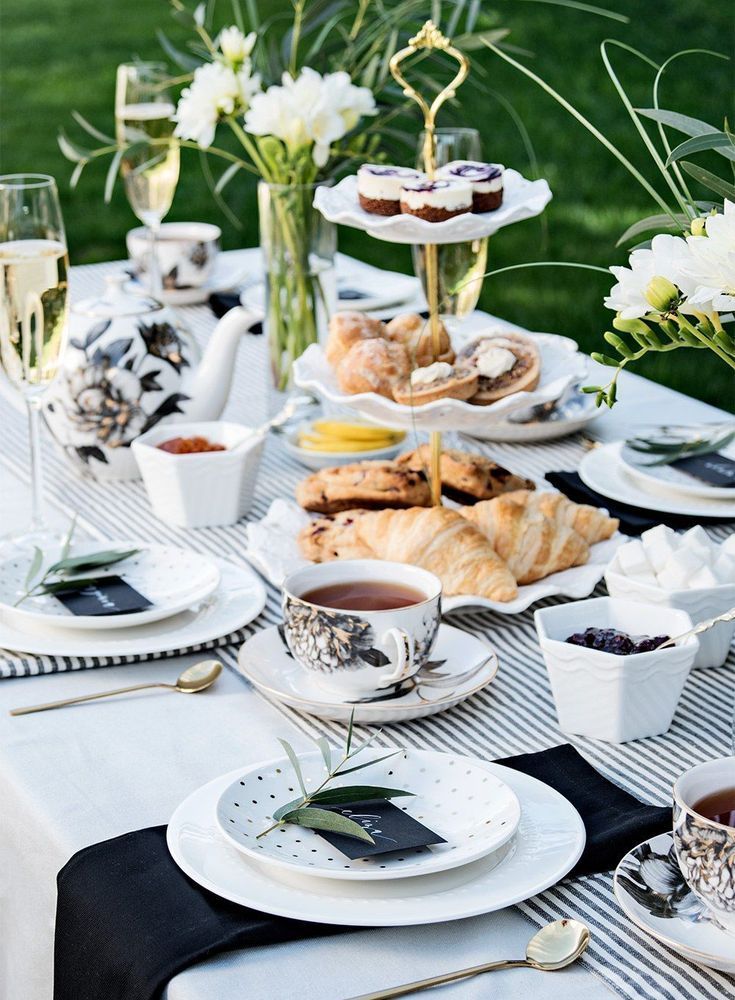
<point x="216" y="90"/>
<point x="309" y="109"/>
<point x="711" y="264"/>
<point x="234" y="46"/>
<point x="665" y="259"/>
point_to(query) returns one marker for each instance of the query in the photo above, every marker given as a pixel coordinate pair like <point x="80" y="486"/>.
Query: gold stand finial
<point x="430" y="37"/>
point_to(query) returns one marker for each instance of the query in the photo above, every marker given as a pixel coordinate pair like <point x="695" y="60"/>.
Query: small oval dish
<point x="315" y="459"/>
<point x="604" y="695"/>
<point x="200" y="489"/>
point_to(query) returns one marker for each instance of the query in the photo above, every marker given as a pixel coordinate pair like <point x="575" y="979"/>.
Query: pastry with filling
<point x="348" y="328"/>
<point x="415" y="333"/>
<point x="436" y="201"/>
<point x="373" y="365"/>
<point x="505" y="362"/>
<point x="438" y="380"/>
<point x="486" y="180"/>
<point x="379" y="187"/>
<point x="467" y="477"/>
<point x="371" y="484"/>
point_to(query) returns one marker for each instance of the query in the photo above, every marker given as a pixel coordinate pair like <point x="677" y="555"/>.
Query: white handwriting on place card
<point x="98" y="595"/>
<point x="369" y="821"/>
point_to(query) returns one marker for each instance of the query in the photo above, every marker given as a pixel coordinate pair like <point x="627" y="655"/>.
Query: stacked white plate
<point x="507" y="837"/>
<point x="194" y="599"/>
<point x="619" y="472"/>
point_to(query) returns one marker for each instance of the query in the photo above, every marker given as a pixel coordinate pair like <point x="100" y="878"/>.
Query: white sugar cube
<point x="633" y="561"/>
<point x="678" y="569"/>
<point x="703" y="579"/>
<point x="729" y="545"/>
<point x="724" y="568"/>
<point x="659" y="544"/>
<point x="697" y="540"/>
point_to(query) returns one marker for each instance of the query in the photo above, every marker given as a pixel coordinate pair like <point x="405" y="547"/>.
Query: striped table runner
<point x="515" y="715"/>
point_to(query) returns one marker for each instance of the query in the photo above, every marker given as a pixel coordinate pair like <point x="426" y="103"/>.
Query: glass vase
<point x="298" y="246"/>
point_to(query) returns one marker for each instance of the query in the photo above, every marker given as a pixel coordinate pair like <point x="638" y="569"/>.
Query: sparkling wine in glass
<point x="33" y="311"/>
<point x="150" y="163"/>
<point x="460" y="265"/>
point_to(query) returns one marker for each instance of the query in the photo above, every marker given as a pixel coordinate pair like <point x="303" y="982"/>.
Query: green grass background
<point x="59" y="55"/>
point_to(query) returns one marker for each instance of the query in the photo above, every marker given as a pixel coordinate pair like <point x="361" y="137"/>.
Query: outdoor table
<point x="74" y="777"/>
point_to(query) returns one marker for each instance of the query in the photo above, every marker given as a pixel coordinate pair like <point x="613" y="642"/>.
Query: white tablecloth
<point x="78" y="776"/>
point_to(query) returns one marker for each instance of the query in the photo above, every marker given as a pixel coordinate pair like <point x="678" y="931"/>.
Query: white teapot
<point x="130" y="364"/>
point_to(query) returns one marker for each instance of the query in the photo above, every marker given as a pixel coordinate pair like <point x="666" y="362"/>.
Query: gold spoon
<point x="728" y="616"/>
<point x="198" y="677"/>
<point x="553" y="947"/>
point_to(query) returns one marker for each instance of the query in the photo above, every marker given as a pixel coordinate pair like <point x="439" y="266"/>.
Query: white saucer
<point x="572" y="413"/>
<point x="457" y="797"/>
<point x="172" y="578"/>
<point x="651" y="890"/>
<point x="671" y="480"/>
<point x="239" y="599"/>
<point x="461" y="664"/>
<point x="602" y="470"/>
<point x="548" y="843"/>
<point x="227" y="273"/>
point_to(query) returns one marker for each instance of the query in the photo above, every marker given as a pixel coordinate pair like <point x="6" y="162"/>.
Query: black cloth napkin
<point x="633" y="520"/>
<point x="128" y="919"/>
<point x="221" y="303"/>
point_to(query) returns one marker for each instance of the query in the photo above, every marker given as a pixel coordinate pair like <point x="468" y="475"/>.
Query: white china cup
<point x="186" y="252"/>
<point x="360" y="653"/>
<point x="704" y="849"/>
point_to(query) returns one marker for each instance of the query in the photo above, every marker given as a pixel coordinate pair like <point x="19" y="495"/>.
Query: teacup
<point x="186" y="252"/>
<point x="358" y="653"/>
<point x="705" y="849"/>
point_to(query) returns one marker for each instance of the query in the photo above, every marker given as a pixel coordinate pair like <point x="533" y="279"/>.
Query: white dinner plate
<point x="239" y="598"/>
<point x="172" y="578"/>
<point x="602" y="470"/>
<point x="460" y="665"/>
<point x="671" y="480"/>
<point x="548" y="843"/>
<point x="653" y="894"/>
<point x="457" y="797"/>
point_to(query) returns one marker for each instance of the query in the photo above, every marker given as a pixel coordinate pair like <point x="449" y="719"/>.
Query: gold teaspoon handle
<point x="447" y="977"/>
<point x="86" y="697"/>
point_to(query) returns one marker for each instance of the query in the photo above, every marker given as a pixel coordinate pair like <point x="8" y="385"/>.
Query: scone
<point x="334" y="536"/>
<point x="467" y="477"/>
<point x="505" y="362"/>
<point x="373" y="366"/>
<point x="346" y="329"/>
<point x="414" y="332"/>
<point x="437" y="381"/>
<point x="371" y="485"/>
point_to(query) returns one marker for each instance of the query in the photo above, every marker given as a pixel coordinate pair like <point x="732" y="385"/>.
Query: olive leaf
<point x="34" y="567"/>
<point x="322" y="819"/>
<point x="93" y="560"/>
<point x="295" y="764"/>
<point x="67" y="567"/>
<point x="356" y="793"/>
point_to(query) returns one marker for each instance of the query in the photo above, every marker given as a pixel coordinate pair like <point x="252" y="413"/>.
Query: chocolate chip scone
<point x="334" y="536"/>
<point x="372" y="485"/>
<point x="467" y="477"/>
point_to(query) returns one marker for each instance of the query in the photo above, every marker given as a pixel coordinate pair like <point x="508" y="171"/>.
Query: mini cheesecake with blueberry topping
<point x="486" y="180"/>
<point x="436" y="201"/>
<point x="379" y="187"/>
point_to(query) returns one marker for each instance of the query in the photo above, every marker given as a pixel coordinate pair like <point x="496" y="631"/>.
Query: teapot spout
<point x="213" y="378"/>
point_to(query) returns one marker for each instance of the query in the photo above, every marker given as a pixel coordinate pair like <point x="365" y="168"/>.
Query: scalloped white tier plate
<point x="457" y="797"/>
<point x="460" y="665"/>
<point x="239" y="598"/>
<point x="522" y="199"/>
<point x="549" y="842"/>
<point x="686" y="929"/>
<point x="603" y="470"/>
<point x="671" y="480"/>
<point x="559" y="367"/>
<point x="272" y="547"/>
<point x="172" y="578"/>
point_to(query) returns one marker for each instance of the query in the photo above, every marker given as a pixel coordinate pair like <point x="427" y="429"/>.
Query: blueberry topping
<point x="609" y="640"/>
<point x="477" y="171"/>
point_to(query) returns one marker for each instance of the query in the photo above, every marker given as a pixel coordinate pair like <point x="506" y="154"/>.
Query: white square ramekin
<point x="609" y="697"/>
<point x="206" y="488"/>
<point x="699" y="603"/>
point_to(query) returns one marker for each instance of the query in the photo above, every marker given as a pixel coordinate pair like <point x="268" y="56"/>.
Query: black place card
<point x="390" y="827"/>
<point x="107" y="595"/>
<point x="351" y="294"/>
<point x="715" y="469"/>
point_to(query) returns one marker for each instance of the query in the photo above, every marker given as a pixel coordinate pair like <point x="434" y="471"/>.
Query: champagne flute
<point x="460" y="266"/>
<point x="150" y="163"/>
<point x="33" y="311"/>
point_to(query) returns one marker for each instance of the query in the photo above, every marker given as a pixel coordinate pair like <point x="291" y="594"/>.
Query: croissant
<point x="443" y="542"/>
<point x="531" y="544"/>
<point x="592" y="524"/>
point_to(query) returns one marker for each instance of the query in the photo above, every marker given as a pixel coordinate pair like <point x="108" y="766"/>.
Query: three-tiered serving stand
<point x="340" y="204"/>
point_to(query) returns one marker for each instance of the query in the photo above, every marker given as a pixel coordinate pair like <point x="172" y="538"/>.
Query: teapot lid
<point x="116" y="301"/>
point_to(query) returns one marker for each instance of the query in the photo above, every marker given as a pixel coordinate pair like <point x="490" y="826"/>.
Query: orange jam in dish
<point x="189" y="445"/>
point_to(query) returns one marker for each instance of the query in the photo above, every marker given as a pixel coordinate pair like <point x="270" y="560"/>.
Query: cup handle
<point x="404" y="661"/>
